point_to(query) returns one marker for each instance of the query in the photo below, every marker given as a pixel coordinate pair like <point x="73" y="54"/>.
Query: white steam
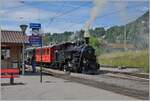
<point x="95" y="12"/>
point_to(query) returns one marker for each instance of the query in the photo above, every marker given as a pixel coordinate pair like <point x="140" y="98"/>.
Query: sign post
<point x="37" y="41"/>
<point x="41" y="60"/>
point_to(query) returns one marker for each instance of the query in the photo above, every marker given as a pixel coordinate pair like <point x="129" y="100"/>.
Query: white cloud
<point x="51" y="29"/>
<point x="10" y="3"/>
<point x="144" y="8"/>
<point x="10" y="27"/>
<point x="61" y="27"/>
<point x="28" y="14"/>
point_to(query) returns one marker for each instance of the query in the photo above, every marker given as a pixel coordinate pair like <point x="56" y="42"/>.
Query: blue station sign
<point x="35" y="25"/>
<point x="35" y="40"/>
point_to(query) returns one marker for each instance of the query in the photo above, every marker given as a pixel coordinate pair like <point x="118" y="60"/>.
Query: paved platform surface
<point x="29" y="87"/>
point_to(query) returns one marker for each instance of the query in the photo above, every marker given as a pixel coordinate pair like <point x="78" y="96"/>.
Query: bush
<point x="95" y="42"/>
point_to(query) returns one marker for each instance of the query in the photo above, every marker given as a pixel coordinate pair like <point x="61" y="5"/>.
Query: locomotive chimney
<point x="86" y="36"/>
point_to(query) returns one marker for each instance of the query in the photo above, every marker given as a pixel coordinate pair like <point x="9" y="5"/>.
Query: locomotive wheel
<point x="79" y="70"/>
<point x="65" y="68"/>
<point x="60" y="67"/>
<point x="83" y="69"/>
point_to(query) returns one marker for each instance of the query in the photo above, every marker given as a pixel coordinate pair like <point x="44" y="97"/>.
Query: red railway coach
<point x="47" y="55"/>
<point x="52" y="56"/>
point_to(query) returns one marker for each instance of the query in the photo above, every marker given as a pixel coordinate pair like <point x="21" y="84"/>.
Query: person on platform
<point x="33" y="64"/>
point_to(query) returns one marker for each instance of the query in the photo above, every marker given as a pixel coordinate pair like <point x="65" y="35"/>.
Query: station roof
<point x="13" y="37"/>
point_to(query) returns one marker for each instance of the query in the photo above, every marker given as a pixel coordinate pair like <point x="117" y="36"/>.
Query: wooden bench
<point x="9" y="73"/>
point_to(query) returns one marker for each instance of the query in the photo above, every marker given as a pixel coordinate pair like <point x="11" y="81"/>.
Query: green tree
<point x="96" y="43"/>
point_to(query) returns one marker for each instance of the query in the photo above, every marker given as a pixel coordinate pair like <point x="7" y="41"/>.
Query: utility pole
<point x="125" y="40"/>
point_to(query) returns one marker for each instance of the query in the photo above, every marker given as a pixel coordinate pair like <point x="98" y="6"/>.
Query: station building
<point x="12" y="45"/>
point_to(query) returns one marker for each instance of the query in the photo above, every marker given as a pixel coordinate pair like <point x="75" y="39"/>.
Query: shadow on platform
<point x="34" y="74"/>
<point x="14" y="84"/>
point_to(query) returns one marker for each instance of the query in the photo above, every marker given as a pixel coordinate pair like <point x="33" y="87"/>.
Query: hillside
<point x="136" y="32"/>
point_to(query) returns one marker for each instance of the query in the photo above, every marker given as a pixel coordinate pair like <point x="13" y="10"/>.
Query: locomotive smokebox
<point x="87" y="40"/>
<point x="86" y="37"/>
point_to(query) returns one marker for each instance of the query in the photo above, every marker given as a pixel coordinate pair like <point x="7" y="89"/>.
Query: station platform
<point x="28" y="87"/>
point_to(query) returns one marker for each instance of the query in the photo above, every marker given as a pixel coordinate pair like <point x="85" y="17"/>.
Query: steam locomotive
<point x="75" y="57"/>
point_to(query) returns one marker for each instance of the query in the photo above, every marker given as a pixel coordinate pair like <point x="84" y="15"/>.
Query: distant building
<point x="11" y="48"/>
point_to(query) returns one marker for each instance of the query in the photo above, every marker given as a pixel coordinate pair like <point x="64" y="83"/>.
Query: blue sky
<point x="67" y="15"/>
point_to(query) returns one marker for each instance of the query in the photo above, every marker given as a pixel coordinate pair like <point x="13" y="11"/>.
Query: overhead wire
<point x="23" y="2"/>
<point x="76" y="8"/>
<point x="67" y="12"/>
<point x="117" y="11"/>
<point x="52" y="18"/>
<point x="108" y="14"/>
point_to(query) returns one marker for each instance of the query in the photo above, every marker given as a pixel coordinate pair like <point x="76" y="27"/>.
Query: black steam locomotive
<point x="81" y="58"/>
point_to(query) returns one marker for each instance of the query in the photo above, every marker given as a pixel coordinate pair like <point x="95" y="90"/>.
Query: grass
<point x="128" y="58"/>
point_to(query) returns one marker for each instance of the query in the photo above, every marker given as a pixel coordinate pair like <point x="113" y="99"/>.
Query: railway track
<point x="140" y="75"/>
<point x="123" y="84"/>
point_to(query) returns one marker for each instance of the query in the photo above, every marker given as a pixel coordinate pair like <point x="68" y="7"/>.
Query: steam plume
<point x="96" y="10"/>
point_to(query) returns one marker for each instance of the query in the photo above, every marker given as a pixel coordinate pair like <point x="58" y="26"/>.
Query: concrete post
<point x="23" y="65"/>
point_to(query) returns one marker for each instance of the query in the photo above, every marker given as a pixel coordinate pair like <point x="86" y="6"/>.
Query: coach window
<point x="43" y="51"/>
<point x="50" y="51"/>
<point x="39" y="51"/>
<point x="47" y="51"/>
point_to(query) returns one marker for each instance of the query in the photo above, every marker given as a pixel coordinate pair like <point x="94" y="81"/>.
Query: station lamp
<point x="23" y="28"/>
